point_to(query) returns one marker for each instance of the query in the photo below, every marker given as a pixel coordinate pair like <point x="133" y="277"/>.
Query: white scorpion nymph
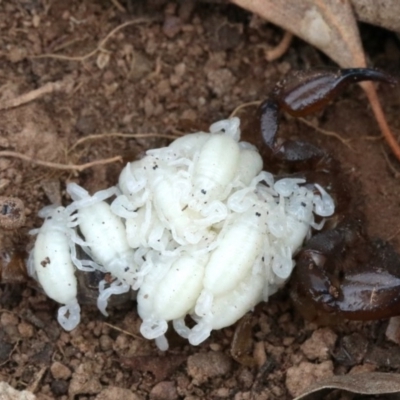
<point x="197" y="228"/>
<point x="106" y="241"/>
<point x="53" y="260"/>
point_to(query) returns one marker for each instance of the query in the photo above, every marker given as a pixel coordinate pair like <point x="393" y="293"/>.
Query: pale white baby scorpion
<point x="53" y="260"/>
<point x="169" y="292"/>
<point x="105" y="237"/>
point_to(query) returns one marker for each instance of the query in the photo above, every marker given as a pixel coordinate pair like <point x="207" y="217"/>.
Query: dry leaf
<point x="371" y="383"/>
<point x="384" y="13"/>
<point x="328" y="25"/>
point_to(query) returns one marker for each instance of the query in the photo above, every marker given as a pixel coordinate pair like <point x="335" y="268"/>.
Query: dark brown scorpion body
<point x="340" y="272"/>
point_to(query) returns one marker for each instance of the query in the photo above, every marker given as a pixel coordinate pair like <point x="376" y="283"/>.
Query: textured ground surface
<point x="174" y="69"/>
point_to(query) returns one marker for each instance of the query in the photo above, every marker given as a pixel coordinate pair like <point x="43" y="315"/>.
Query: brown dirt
<point x="174" y="69"/>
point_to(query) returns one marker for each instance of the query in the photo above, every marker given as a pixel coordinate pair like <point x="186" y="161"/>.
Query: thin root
<point x="100" y="46"/>
<point x="63" y="85"/>
<point x="328" y="133"/>
<point x="279" y="50"/>
<point x="38" y="377"/>
<point x="390" y="165"/>
<point x="69" y="43"/>
<point x="123" y="331"/>
<point x="244" y="105"/>
<point x="64" y="167"/>
<point x="370" y="91"/>
<point x="122" y="135"/>
<point x="118" y="6"/>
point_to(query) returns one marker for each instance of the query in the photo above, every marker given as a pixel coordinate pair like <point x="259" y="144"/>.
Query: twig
<point x="327" y="133"/>
<point x="65" y="84"/>
<point x="279" y="50"/>
<point x="64" y="167"/>
<point x="69" y="43"/>
<point x="244" y="105"/>
<point x="123" y="331"/>
<point x="122" y="135"/>
<point x="100" y="46"/>
<point x="38" y="377"/>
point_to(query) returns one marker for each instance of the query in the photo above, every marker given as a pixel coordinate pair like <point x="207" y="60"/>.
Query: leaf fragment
<point x="369" y="383"/>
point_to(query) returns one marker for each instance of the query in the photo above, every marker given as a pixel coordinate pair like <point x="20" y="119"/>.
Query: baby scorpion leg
<point x="302" y="93"/>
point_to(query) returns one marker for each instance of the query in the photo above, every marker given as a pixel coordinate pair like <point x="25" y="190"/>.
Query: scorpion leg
<point x="340" y="273"/>
<point x="302" y="93"/>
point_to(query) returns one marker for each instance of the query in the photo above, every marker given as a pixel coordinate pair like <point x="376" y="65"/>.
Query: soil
<point x="177" y="68"/>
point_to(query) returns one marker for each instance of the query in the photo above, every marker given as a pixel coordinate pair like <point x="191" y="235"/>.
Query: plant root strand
<point x="63" y="167"/>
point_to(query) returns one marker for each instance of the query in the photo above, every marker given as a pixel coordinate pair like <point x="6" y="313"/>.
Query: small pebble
<point x="8" y="319"/>
<point x="203" y="366"/>
<point x="180" y="69"/>
<point x="222" y="393"/>
<point x="84" y="382"/>
<point x="165" y="390"/>
<point x="243" y="396"/>
<point x="189" y="114"/>
<point x="60" y="371"/>
<point x="246" y="378"/>
<point x="320" y="345"/>
<point x="300" y="377"/>
<point x="7" y="392"/>
<point x="220" y="81"/>
<point x="121" y="343"/>
<point x="106" y="342"/>
<point x="114" y="393"/>
<point x="215" y="347"/>
<point x="26" y="330"/>
<point x="59" y="387"/>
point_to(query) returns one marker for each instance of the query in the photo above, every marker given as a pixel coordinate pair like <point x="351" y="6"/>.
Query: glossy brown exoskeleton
<point x="340" y="271"/>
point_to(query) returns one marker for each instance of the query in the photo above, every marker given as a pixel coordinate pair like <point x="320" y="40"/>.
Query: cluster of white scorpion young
<point x="197" y="228"/>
